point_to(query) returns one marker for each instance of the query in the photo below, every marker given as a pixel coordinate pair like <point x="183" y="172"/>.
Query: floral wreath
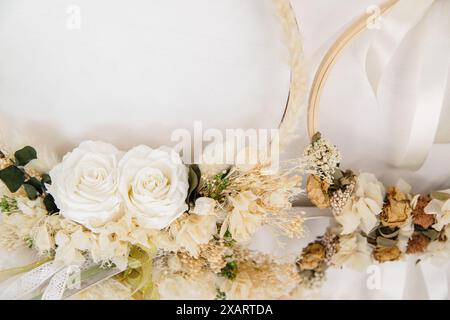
<point x="143" y="225"/>
<point x="147" y="225"/>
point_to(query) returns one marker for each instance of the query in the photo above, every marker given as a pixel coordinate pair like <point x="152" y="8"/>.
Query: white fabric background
<point x="139" y="69"/>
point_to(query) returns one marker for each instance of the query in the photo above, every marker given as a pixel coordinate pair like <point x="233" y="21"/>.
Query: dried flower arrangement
<point x="371" y="225"/>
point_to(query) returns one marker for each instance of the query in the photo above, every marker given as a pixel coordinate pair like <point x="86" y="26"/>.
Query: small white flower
<point x="154" y="185"/>
<point x="244" y="220"/>
<point x="194" y="231"/>
<point x="362" y="210"/>
<point x="31" y="208"/>
<point x="85" y="184"/>
<point x="322" y="157"/>
<point x="66" y="250"/>
<point x="204" y="206"/>
<point x="438" y="252"/>
<point x="43" y="241"/>
<point x="278" y="199"/>
<point x="441" y="208"/>
<point x="354" y="252"/>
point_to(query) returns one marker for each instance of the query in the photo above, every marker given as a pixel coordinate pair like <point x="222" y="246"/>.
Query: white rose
<point x="85" y="184"/>
<point x="154" y="185"/>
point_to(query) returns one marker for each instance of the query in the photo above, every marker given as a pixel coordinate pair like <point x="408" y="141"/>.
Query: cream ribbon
<point x="412" y="83"/>
<point x="52" y="276"/>
<point x="26" y="284"/>
<point x="394" y="26"/>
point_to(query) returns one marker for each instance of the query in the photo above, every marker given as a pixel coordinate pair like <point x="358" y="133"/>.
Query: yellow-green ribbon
<point x="138" y="276"/>
<point x="8" y="273"/>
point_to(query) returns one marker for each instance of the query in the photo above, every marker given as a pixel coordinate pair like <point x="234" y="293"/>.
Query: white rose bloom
<point x="154" y="185"/>
<point x="85" y="184"/>
<point x="362" y="210"/>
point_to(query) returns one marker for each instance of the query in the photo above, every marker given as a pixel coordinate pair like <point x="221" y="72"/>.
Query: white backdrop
<point x="138" y="69"/>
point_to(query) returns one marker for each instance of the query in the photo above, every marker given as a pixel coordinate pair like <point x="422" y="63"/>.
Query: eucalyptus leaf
<point x="389" y="243"/>
<point x="36" y="184"/>
<point x="388" y="233"/>
<point x="13" y="178"/>
<point x="32" y="192"/>
<point x="230" y="270"/>
<point x="373" y="233"/>
<point x="46" y="179"/>
<point x="194" y="180"/>
<point x="50" y="204"/>
<point x="432" y="234"/>
<point x="25" y="155"/>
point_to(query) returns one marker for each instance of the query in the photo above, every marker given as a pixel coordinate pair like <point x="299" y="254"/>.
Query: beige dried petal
<point x="385" y="254"/>
<point x="312" y="256"/>
<point x="397" y="209"/>
<point x="317" y="191"/>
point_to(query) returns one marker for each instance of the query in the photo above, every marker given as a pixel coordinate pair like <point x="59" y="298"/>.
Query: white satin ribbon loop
<point x="394" y="26"/>
<point x="432" y="85"/>
<point x="414" y="74"/>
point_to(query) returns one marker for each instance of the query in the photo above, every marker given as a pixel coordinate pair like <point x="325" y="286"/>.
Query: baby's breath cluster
<point x="323" y="157"/>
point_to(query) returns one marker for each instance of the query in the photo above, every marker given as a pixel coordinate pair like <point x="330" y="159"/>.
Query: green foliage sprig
<point x="221" y="295"/>
<point x="16" y="177"/>
<point x="215" y="186"/>
<point x="8" y="205"/>
<point x="230" y="270"/>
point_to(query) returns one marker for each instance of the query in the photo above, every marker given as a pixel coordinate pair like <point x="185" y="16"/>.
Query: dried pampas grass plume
<point x="296" y="99"/>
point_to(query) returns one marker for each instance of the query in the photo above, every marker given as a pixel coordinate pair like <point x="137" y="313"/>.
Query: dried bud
<point x="312" y="256"/>
<point x="385" y="254"/>
<point x="397" y="209"/>
<point x="317" y="191"/>
<point x="418" y="243"/>
<point x="419" y="216"/>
